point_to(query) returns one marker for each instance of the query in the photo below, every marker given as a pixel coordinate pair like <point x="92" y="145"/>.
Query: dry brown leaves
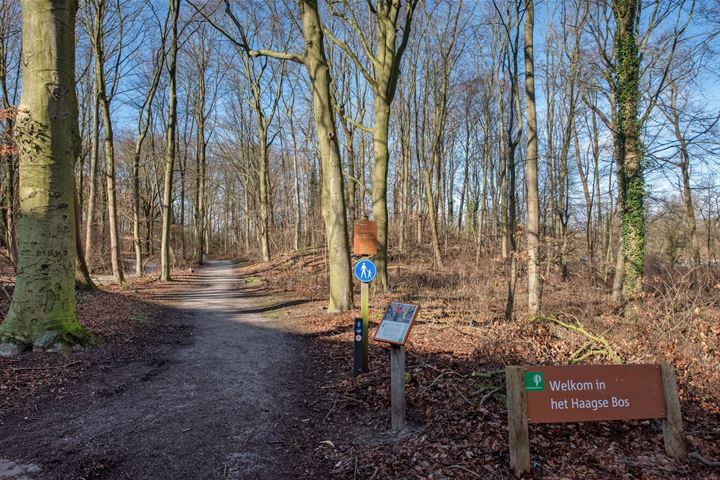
<point x="455" y="388"/>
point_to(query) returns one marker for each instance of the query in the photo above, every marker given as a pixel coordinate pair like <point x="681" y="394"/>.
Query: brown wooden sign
<point x="549" y="394"/>
<point x="365" y="238"/>
<point x="593" y="393"/>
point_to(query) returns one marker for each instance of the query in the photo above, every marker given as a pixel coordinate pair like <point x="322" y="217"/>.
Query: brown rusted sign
<point x="593" y="393"/>
<point x="365" y="238"/>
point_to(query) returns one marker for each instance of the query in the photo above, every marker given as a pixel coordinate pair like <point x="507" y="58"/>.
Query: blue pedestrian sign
<point x="365" y="270"/>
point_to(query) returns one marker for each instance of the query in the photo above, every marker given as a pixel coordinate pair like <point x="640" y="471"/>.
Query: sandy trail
<point x="222" y="405"/>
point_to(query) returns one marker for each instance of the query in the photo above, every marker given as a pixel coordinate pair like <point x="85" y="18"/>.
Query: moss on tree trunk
<point x="42" y="313"/>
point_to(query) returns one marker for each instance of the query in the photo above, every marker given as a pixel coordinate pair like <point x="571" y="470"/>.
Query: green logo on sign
<point x="534" y="381"/>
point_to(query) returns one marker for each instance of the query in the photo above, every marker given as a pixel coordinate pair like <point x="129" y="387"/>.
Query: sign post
<point x="358" y="347"/>
<point x="364" y="244"/>
<point x="582" y="393"/>
<point x="397" y="388"/>
<point x="365" y="271"/>
<point x="365" y="314"/>
<point x="395" y="329"/>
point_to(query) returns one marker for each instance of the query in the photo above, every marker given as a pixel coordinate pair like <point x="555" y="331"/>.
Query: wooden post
<point x="364" y="312"/>
<point x="517" y="420"/>
<point x="672" y="424"/>
<point x="397" y="387"/>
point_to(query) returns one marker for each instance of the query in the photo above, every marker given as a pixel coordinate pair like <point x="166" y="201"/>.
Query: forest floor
<point x="236" y="371"/>
<point x="455" y="379"/>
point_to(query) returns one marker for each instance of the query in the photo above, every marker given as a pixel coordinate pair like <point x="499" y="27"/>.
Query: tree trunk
<point x="170" y="154"/>
<point x="263" y="191"/>
<point x="93" y="183"/>
<point x="631" y="171"/>
<point x="296" y="187"/>
<point x="42" y="312"/>
<point x="379" y="183"/>
<point x="432" y="217"/>
<point x="200" y="184"/>
<point x="333" y="197"/>
<point x="82" y="274"/>
<point x="102" y="97"/>
<point x="531" y="170"/>
<point x="684" y="165"/>
<point x="136" y="214"/>
<point x="115" y="259"/>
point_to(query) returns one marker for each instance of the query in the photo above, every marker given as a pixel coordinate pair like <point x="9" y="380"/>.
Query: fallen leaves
<point x="455" y="390"/>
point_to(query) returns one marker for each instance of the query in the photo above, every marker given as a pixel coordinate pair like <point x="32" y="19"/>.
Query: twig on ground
<point x="348" y="397"/>
<point x="17" y="369"/>
<point x="488" y="395"/>
<point x="465" y="469"/>
<point x="332" y="409"/>
<point x="703" y="460"/>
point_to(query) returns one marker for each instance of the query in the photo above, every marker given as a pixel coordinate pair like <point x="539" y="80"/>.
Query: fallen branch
<point x="488" y="394"/>
<point x="703" y="460"/>
<point x="347" y="397"/>
<point x="332" y="409"/>
<point x="465" y="469"/>
<point x="17" y="369"/>
<point x="598" y="339"/>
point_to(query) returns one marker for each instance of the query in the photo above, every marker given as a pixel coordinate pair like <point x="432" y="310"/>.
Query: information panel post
<point x="397" y="388"/>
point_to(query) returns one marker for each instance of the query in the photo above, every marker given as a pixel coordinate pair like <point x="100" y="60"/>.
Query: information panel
<point x="397" y="322"/>
<point x="593" y="392"/>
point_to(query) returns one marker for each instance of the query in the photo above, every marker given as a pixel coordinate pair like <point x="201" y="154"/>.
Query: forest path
<point x="223" y="405"/>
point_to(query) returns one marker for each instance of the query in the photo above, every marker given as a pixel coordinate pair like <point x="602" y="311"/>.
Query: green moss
<point x="252" y="281"/>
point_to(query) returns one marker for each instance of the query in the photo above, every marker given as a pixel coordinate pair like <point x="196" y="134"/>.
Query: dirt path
<point x="224" y="405"/>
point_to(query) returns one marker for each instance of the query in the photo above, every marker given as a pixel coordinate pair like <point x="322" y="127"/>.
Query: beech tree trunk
<point x="42" y="313"/>
<point x="333" y="197"/>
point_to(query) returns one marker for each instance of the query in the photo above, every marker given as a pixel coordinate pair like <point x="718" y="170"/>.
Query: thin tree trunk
<point x="101" y="89"/>
<point x="296" y="187"/>
<point x="264" y="187"/>
<point x="93" y="183"/>
<point x="82" y="274"/>
<point x="531" y="170"/>
<point x="170" y="155"/>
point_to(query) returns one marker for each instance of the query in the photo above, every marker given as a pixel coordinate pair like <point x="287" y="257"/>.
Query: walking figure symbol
<point x="365" y="270"/>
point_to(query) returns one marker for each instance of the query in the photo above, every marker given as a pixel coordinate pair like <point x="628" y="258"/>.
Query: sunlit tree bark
<point x="42" y="313"/>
